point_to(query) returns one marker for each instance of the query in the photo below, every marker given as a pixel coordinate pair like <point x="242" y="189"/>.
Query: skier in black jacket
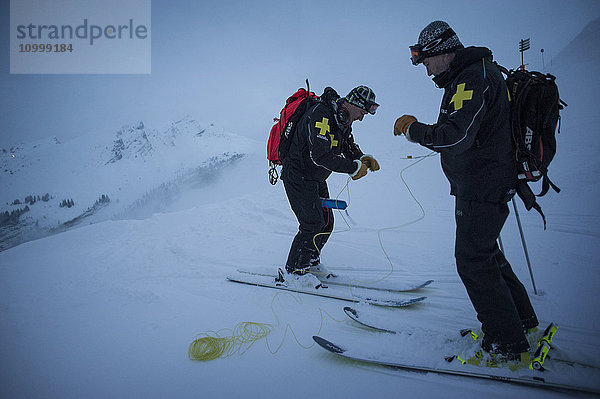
<point x="473" y="136"/>
<point x="323" y="143"/>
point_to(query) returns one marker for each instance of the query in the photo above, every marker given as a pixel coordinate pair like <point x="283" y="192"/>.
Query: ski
<point x="372" y="297"/>
<point x="528" y="377"/>
<point x="331" y="279"/>
<point x="377" y="324"/>
<point x="365" y="320"/>
<point x="543" y="346"/>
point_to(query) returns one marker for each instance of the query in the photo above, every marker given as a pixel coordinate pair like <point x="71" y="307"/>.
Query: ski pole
<point x="524" y="245"/>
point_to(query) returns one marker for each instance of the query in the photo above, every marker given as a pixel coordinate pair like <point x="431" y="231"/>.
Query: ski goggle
<point x="372" y="108"/>
<point x="416" y="56"/>
<point x="365" y="105"/>
<point x="418" y="52"/>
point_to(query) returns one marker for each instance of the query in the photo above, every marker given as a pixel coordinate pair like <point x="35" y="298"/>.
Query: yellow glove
<point x="402" y="124"/>
<point x="362" y="172"/>
<point x="371" y="162"/>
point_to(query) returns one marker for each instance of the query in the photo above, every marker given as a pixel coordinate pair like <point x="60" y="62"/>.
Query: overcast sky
<point x="232" y="63"/>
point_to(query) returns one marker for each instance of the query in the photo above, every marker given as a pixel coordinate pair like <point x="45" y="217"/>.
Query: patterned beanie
<point x="437" y="38"/>
<point x="364" y="98"/>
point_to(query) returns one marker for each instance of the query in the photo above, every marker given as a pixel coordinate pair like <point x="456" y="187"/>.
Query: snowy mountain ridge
<point x="52" y="186"/>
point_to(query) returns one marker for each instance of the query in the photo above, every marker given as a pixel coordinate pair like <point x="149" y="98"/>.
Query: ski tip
<point x="394" y="303"/>
<point x="331" y="347"/>
<point x="235" y="279"/>
<point x="348" y="309"/>
<point x="353" y="315"/>
<point x="426" y="283"/>
<point x="412" y="301"/>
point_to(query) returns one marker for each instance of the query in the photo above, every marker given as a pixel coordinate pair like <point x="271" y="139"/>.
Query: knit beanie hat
<point x="364" y="98"/>
<point x="436" y="38"/>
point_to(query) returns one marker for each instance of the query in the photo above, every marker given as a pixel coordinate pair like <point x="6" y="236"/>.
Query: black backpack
<point x="534" y="117"/>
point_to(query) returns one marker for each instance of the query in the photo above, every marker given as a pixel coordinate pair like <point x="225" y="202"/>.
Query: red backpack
<point x="284" y="128"/>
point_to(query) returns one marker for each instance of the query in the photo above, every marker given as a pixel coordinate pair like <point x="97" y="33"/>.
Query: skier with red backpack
<point x="313" y="146"/>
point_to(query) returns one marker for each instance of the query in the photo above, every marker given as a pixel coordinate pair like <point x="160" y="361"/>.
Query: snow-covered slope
<point x="109" y="309"/>
<point x="53" y="186"/>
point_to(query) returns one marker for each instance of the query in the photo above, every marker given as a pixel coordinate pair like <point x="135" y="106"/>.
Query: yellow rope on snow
<point x="213" y="345"/>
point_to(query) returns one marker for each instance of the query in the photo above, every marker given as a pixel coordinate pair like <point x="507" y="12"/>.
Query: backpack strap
<point x="273" y="173"/>
<point x="546" y="184"/>
<point x="524" y="192"/>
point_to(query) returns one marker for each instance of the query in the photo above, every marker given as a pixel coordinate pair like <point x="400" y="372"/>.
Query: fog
<point x="233" y="63"/>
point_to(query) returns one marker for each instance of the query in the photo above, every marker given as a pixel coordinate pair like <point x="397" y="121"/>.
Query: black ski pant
<point x="499" y="298"/>
<point x="315" y="222"/>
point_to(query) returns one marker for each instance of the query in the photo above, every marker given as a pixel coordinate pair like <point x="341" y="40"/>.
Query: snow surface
<point x="108" y="309"/>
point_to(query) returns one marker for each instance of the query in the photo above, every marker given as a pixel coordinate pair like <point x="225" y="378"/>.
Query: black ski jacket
<point x="321" y="145"/>
<point x="472" y="133"/>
